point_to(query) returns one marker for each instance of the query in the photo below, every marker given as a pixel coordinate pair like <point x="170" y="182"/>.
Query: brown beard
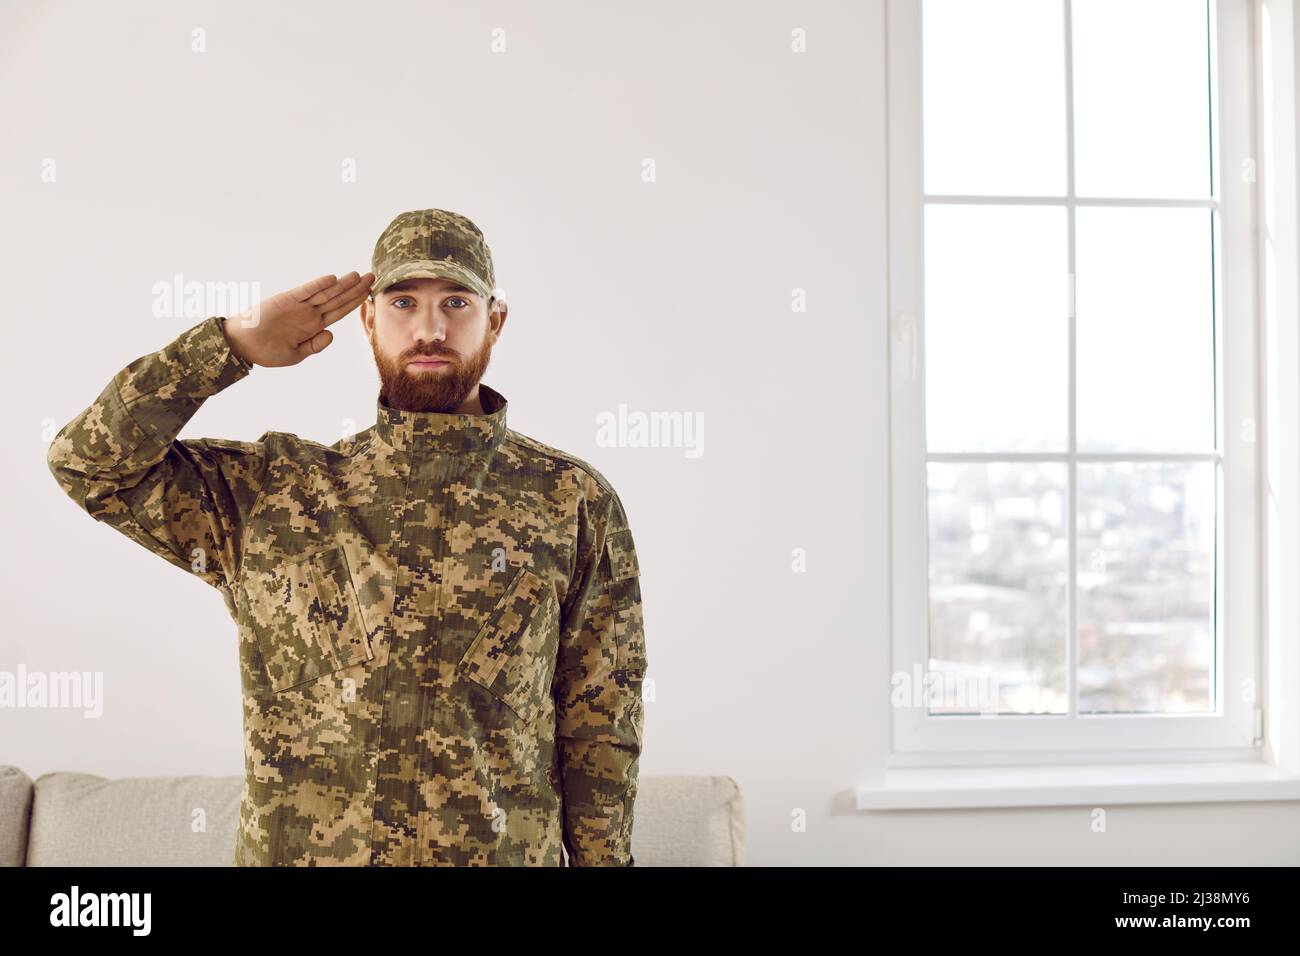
<point x="438" y="390"/>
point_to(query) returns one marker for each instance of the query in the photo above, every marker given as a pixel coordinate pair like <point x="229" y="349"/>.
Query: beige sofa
<point x="78" y="819"/>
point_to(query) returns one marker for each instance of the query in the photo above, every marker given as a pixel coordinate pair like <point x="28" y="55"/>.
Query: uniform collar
<point x="444" y="432"/>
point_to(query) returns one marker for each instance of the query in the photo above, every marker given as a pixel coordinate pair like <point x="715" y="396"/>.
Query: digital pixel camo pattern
<point x="433" y="243"/>
<point x="441" y="638"/>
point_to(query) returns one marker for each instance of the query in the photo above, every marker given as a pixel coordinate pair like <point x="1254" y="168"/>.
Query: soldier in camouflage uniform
<point x="441" y="641"/>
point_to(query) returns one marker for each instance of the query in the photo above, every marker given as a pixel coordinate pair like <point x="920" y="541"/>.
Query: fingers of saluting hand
<point x="346" y="299"/>
<point x="308" y="289"/>
<point x="339" y="286"/>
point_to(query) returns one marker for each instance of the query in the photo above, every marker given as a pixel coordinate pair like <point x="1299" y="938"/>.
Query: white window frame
<point x="1246" y="749"/>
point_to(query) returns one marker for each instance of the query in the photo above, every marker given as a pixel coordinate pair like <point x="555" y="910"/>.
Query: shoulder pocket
<point x="306" y="618"/>
<point x="622" y="555"/>
<point x="513" y="654"/>
<point x="625" y="601"/>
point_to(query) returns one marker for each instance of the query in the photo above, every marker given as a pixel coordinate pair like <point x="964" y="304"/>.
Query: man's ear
<point x="368" y="316"/>
<point x="497" y="317"/>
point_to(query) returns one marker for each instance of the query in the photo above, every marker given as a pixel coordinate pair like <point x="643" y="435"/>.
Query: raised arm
<point x="121" y="460"/>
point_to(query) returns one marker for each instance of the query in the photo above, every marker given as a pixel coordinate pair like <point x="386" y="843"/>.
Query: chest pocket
<point x="513" y="654"/>
<point x="306" y="618"/>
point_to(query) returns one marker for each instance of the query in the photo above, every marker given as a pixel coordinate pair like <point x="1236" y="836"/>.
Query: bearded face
<point x="410" y="385"/>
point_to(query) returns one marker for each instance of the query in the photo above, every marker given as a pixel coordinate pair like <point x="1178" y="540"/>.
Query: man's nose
<point x="430" y="326"/>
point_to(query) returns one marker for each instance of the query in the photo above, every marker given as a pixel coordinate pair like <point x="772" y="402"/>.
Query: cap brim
<point x="431" y="269"/>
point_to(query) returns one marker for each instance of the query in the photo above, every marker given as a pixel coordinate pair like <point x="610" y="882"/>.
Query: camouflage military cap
<point x="433" y="244"/>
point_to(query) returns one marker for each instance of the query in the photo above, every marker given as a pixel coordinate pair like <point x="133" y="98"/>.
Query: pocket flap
<point x="512" y="656"/>
<point x="622" y="555"/>
<point x="306" y="619"/>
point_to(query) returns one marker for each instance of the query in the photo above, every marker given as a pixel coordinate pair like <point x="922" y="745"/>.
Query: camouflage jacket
<point x="441" y="640"/>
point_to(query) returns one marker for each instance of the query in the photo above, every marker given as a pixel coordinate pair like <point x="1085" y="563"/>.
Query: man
<point x="441" y="639"/>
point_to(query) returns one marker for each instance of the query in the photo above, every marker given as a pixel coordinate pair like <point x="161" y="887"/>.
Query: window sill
<point x="936" y="788"/>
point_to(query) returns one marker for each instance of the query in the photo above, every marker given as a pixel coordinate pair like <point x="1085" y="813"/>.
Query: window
<point x="1075" y="371"/>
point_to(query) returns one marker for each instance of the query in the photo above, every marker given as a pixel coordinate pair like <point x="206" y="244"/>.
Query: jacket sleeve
<point x="121" y="462"/>
<point x="599" y="673"/>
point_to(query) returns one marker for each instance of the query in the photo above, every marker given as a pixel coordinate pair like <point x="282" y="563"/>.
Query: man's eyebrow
<point x="407" y="287"/>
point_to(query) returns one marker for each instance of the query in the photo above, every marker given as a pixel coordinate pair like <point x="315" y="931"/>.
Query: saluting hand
<point x="289" y="326"/>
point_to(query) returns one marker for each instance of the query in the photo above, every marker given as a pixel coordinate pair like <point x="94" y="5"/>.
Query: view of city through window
<point x="1070" y="261"/>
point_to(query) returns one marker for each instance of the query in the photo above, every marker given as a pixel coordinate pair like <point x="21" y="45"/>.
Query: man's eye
<point x="401" y="298"/>
<point x="457" y="298"/>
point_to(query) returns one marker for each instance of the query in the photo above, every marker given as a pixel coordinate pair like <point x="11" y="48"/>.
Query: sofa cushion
<point x="688" y="820"/>
<point x="15" y="815"/>
<point x="80" y="819"/>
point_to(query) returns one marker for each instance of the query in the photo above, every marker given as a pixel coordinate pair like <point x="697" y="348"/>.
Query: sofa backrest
<point x="78" y="819"/>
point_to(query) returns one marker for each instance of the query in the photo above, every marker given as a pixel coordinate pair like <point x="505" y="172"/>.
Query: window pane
<point x="993" y="101"/>
<point x="998" y="570"/>
<point x="1144" y="329"/>
<point x="1146" y="587"/>
<point x="1141" y="98"/>
<point x="995" y="328"/>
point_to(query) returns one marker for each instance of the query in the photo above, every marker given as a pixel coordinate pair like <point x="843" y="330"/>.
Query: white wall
<point x="672" y="296"/>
